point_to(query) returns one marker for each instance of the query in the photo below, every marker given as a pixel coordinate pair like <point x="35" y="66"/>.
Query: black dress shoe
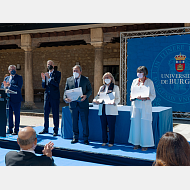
<point x="43" y="132"/>
<point x="86" y="142"/>
<point x="74" y="141"/>
<point x="55" y="134"/>
<point x="15" y="133"/>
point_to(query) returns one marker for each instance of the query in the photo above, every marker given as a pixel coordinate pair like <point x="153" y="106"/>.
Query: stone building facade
<point x="95" y="47"/>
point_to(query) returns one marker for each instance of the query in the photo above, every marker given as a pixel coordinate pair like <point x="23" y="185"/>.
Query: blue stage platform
<point x="118" y="155"/>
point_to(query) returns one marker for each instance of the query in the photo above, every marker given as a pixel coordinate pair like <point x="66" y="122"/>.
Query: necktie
<point x="50" y="75"/>
<point x="76" y="83"/>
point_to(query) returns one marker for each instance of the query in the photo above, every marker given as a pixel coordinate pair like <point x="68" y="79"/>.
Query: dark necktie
<point x="76" y="82"/>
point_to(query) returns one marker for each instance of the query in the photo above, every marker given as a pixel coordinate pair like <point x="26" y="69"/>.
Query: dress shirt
<point x="29" y="150"/>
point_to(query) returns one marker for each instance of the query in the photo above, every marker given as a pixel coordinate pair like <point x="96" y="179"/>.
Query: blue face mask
<point x="13" y="72"/>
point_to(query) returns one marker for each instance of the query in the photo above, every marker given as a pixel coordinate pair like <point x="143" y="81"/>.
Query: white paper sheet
<point x="74" y="93"/>
<point x="142" y="91"/>
<point x="108" y="98"/>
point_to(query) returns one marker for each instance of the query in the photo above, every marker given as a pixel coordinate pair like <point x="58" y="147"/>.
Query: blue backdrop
<point x="168" y="62"/>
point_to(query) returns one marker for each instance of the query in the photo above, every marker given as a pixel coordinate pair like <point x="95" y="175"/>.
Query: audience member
<point x="26" y="156"/>
<point x="173" y="150"/>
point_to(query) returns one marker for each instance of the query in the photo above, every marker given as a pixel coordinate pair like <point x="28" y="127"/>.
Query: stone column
<point x="97" y="42"/>
<point x="29" y="90"/>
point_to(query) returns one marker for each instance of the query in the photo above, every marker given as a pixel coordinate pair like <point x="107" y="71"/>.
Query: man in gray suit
<point x="79" y="107"/>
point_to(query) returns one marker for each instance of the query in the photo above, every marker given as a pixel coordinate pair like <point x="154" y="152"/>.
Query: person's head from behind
<point x="27" y="138"/>
<point x="173" y="150"/>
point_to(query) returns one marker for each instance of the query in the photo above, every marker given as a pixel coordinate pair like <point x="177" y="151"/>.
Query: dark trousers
<point x="54" y="104"/>
<point x="84" y="120"/>
<point x="110" y="121"/>
<point x="16" y="108"/>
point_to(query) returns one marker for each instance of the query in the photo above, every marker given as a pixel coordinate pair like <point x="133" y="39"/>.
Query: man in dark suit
<point x="14" y="82"/>
<point x="50" y="81"/>
<point x="79" y="107"/>
<point x="26" y="156"/>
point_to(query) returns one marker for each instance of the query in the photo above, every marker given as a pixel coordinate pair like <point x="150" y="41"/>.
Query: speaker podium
<point x="4" y="104"/>
<point x="3" y="117"/>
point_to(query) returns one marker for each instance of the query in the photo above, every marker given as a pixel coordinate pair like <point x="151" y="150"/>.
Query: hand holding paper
<point x="73" y="94"/>
<point x="140" y="91"/>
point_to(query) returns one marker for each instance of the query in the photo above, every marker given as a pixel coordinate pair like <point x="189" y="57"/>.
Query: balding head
<point x="26" y="138"/>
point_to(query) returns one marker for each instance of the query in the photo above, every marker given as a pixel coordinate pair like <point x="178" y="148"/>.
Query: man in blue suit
<point x="50" y="81"/>
<point x="79" y="107"/>
<point x="14" y="82"/>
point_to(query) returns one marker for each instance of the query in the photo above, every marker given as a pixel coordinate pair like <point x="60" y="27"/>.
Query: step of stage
<point x="118" y="155"/>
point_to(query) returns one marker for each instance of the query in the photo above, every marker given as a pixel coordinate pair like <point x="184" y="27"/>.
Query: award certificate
<point x="74" y="93"/>
<point x="142" y="91"/>
<point x="108" y="98"/>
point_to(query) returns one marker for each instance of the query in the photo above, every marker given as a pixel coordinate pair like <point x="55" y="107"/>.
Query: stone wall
<point x="11" y="57"/>
<point x="65" y="57"/>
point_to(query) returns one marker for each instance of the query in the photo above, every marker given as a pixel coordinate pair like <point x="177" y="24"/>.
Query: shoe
<point x="86" y="142"/>
<point x="104" y="144"/>
<point x="15" y="133"/>
<point x="55" y="134"/>
<point x="74" y="141"/>
<point x="136" y="147"/>
<point x="110" y="145"/>
<point x="144" y="149"/>
<point x="43" y="132"/>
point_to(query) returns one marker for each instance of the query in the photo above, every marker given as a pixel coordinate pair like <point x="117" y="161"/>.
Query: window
<point x="113" y="69"/>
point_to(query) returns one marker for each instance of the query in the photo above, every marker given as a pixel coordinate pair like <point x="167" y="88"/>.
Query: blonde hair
<point x="108" y="73"/>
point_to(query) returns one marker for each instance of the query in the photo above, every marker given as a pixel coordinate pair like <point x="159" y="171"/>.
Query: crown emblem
<point x="180" y="57"/>
<point x="180" y="67"/>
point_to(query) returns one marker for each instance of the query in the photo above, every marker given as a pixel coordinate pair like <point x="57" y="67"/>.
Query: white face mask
<point x="107" y="81"/>
<point x="140" y="75"/>
<point x="75" y="74"/>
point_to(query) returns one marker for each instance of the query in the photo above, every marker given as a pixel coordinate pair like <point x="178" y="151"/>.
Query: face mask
<point x="107" y="81"/>
<point x="75" y="74"/>
<point x="13" y="72"/>
<point x="140" y="75"/>
<point x="50" y="67"/>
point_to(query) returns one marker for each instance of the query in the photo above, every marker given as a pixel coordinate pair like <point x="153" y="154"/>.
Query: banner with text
<point x="168" y="62"/>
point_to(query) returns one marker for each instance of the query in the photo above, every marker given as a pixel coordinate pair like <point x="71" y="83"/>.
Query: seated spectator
<point x="173" y="150"/>
<point x="26" y="156"/>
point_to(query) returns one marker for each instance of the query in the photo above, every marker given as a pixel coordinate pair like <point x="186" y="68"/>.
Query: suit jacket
<point x="23" y="158"/>
<point x="52" y="89"/>
<point x="110" y="109"/>
<point x="86" y="89"/>
<point x="16" y="85"/>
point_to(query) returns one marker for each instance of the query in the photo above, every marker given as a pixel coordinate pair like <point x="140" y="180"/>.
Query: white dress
<point x="141" y="132"/>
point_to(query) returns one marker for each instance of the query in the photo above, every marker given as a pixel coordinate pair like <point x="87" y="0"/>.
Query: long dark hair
<point x="173" y="150"/>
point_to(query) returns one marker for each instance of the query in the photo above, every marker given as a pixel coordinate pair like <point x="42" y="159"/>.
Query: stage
<point x="85" y="155"/>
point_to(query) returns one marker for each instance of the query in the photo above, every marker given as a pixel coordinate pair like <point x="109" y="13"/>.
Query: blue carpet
<point x="58" y="161"/>
<point x="92" y="153"/>
<point x="94" y="147"/>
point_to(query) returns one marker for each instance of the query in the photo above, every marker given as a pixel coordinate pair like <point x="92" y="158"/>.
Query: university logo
<point x="180" y="62"/>
<point x="171" y="73"/>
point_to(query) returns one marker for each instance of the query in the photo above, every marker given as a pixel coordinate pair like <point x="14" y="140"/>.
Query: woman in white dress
<point x="108" y="112"/>
<point x="141" y="133"/>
